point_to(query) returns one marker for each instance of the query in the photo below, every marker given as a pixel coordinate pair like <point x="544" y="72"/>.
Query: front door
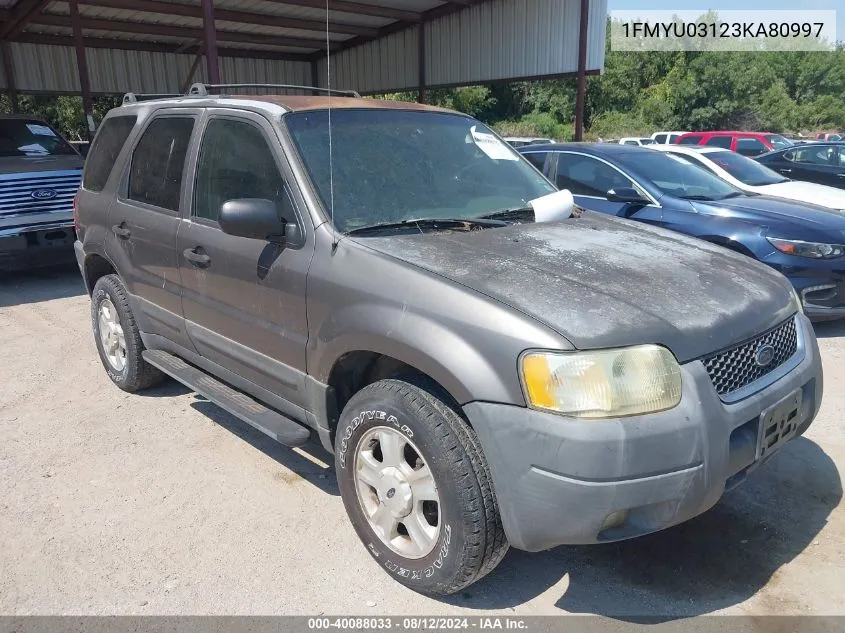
<point x="244" y="299"/>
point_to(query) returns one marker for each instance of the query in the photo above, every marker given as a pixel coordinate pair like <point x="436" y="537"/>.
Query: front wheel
<point x="417" y="487"/>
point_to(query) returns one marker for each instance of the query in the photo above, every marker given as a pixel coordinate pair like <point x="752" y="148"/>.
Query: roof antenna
<point x="335" y="239"/>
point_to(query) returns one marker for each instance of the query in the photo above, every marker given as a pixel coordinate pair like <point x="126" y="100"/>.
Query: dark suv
<point x="376" y="275"/>
<point x="39" y="175"/>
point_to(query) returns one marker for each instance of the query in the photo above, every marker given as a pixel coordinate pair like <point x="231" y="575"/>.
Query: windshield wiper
<point x="465" y="224"/>
<point x="512" y="213"/>
<point x="698" y="197"/>
<point x="736" y="194"/>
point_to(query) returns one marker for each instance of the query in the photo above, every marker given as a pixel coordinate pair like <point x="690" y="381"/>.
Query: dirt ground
<point x="161" y="503"/>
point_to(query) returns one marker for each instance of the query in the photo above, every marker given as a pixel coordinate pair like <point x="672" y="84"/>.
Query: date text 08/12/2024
<point x="417" y="623"/>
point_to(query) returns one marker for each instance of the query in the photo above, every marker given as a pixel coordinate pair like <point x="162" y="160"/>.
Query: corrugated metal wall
<point x="502" y="39"/>
<point x="499" y="39"/>
<point x="386" y="64"/>
<point x="40" y="68"/>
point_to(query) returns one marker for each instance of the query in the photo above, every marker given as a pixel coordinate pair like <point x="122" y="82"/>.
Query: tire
<point x="135" y="373"/>
<point x="469" y="540"/>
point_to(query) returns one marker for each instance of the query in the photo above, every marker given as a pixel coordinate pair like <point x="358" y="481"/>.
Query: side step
<point x="279" y="427"/>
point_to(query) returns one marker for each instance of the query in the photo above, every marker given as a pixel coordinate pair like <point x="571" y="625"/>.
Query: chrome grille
<point x="16" y="192"/>
<point x="736" y="368"/>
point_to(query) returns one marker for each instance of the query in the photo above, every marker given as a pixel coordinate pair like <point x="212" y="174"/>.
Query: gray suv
<point x="372" y="274"/>
<point x="39" y="176"/>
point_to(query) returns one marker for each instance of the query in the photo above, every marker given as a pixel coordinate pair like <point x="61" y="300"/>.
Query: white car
<point x="667" y="138"/>
<point x="749" y="175"/>
<point x="636" y="140"/>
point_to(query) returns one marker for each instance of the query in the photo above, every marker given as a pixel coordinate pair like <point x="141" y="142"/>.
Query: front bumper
<point x="820" y="284"/>
<point x="37" y="245"/>
<point x="559" y="479"/>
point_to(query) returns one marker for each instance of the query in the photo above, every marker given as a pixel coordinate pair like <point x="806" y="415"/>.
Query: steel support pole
<point x="581" y="92"/>
<point x="9" y="73"/>
<point x="210" y="33"/>
<point x="82" y="69"/>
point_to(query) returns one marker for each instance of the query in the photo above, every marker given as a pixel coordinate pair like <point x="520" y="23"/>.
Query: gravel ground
<point x="161" y="503"/>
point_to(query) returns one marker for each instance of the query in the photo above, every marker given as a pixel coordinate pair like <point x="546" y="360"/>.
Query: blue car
<point x="805" y="242"/>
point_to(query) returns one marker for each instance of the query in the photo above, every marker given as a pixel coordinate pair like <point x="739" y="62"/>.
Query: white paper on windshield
<point x="40" y="130"/>
<point x="555" y="206"/>
<point x="490" y="145"/>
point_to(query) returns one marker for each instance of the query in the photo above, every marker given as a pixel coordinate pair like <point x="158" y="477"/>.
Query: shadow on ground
<point x="40" y="284"/>
<point x="830" y="329"/>
<point x="717" y="560"/>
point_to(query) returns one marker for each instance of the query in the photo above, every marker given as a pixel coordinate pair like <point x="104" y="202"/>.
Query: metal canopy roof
<point x="376" y="46"/>
<point x="293" y="30"/>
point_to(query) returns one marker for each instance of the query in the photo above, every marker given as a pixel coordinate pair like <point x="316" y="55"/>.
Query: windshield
<point x="22" y="137"/>
<point x="746" y="170"/>
<point x="779" y="142"/>
<point x="678" y="177"/>
<point x="394" y="165"/>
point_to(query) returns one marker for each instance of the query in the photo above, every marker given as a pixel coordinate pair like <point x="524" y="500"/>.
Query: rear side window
<point x="750" y="147"/>
<point x="660" y="139"/>
<point x="719" y="141"/>
<point x="101" y="158"/>
<point x="538" y="159"/>
<point x="695" y="139"/>
<point x="155" y="175"/>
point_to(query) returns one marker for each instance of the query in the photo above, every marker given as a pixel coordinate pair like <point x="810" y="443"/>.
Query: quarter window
<point x="104" y="152"/>
<point x="695" y="139"/>
<point x="586" y="176"/>
<point x="235" y="161"/>
<point x="155" y="176"/>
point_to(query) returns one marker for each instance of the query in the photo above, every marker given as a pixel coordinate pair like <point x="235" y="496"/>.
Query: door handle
<point x="785" y="171"/>
<point x="840" y="175"/>
<point x="121" y="231"/>
<point x="198" y="259"/>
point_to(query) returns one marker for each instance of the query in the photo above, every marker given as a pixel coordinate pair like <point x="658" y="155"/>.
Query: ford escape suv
<point x="39" y="176"/>
<point x="375" y="275"/>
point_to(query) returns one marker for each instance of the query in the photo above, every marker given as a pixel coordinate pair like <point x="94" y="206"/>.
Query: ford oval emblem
<point x="43" y="194"/>
<point x="764" y="355"/>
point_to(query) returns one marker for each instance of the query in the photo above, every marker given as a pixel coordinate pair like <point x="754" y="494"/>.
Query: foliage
<point x="63" y="112"/>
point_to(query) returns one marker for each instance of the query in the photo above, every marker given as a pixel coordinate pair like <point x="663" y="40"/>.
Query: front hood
<point x="778" y="213"/>
<point x="605" y="282"/>
<point x="825" y="196"/>
<point x="31" y="164"/>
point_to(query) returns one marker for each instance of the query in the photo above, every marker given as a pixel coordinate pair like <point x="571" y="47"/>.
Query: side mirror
<point x="626" y="194"/>
<point x="257" y="219"/>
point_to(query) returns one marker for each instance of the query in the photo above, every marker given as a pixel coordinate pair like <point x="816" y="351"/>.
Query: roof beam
<point x="346" y="6"/>
<point x="145" y="28"/>
<point x="192" y="11"/>
<point x="21" y="15"/>
<point x="154" y="47"/>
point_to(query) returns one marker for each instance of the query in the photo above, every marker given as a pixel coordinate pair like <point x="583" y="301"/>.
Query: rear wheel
<point x="417" y="487"/>
<point x="118" y="338"/>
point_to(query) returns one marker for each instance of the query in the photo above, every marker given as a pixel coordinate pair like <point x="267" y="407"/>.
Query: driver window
<point x="235" y="161"/>
<point x="813" y="155"/>
<point x="586" y="176"/>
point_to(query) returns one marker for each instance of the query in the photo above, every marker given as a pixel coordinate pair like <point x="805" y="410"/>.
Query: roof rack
<point x="203" y="89"/>
<point x="131" y="97"/>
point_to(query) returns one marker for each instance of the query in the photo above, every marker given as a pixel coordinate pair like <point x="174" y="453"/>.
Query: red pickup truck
<point x="745" y="143"/>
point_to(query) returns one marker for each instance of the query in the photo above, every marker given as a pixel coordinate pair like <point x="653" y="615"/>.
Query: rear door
<point x="244" y="299"/>
<point x="821" y="164"/>
<point x="145" y="219"/>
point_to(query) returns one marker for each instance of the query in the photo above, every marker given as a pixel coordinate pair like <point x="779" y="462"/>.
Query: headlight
<point x="814" y="250"/>
<point x="796" y="298"/>
<point x="603" y="383"/>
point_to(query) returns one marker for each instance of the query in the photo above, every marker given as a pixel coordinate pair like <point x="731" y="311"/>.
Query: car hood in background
<point x="605" y="282"/>
<point x="822" y="195"/>
<point x="30" y="164"/>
